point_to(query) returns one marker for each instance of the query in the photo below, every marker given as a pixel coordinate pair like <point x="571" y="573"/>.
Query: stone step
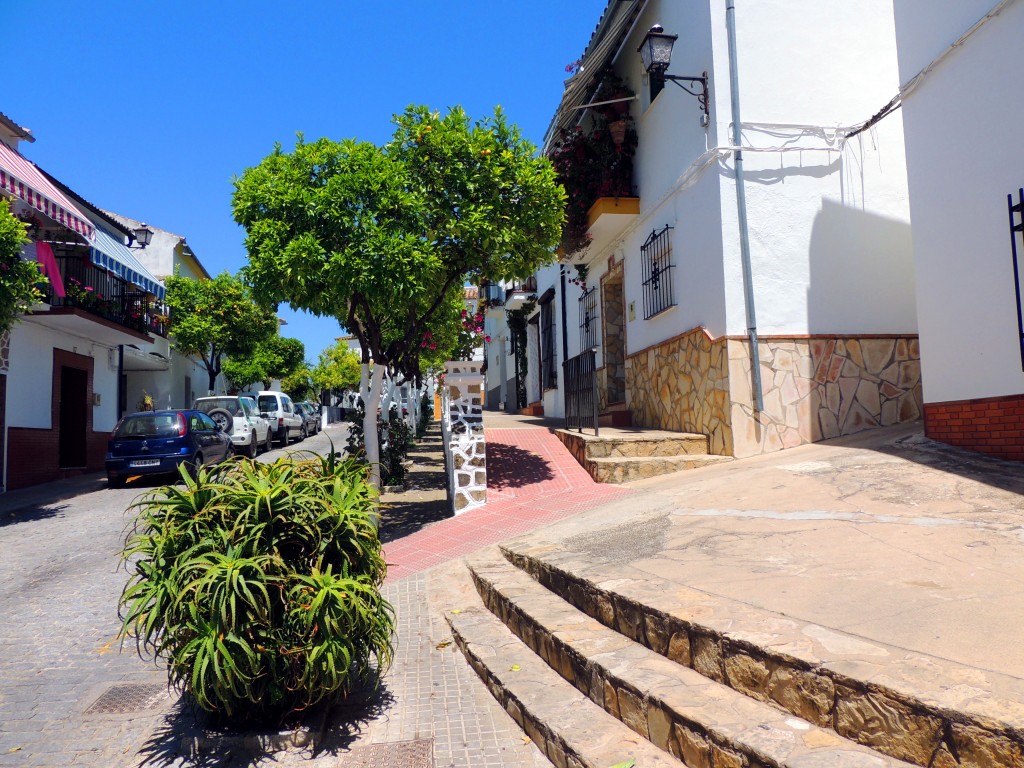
<point x="566" y="726"/>
<point x="615" y="443"/>
<point x="922" y="709"/>
<point x="617" y="470"/>
<point x="696" y="719"/>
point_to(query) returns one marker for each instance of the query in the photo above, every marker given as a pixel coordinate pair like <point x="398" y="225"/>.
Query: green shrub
<point x="259" y="585"/>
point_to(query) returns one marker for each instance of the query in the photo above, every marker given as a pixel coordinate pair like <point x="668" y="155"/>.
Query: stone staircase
<point x="602" y="670"/>
<point x="624" y="455"/>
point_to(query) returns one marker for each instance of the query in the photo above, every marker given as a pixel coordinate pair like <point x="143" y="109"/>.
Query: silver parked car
<point x="311" y="414"/>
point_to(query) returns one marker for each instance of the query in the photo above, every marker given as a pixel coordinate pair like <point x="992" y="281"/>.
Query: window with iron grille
<point x="656" y="261"/>
<point x="588" y="319"/>
<point x="549" y="372"/>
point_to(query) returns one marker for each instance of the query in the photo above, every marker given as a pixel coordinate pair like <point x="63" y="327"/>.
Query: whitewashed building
<point x="171" y="379"/>
<point x="764" y="317"/>
<point x="59" y="383"/>
<point x="959" y="66"/>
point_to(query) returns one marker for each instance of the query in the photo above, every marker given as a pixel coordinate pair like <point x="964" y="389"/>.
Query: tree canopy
<point x="337" y="368"/>
<point x="18" y="278"/>
<point x="383" y="238"/>
<point x="277" y="357"/>
<point x="211" y="319"/>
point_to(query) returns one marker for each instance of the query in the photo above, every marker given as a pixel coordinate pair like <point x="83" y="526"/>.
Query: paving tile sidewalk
<point x="532" y="481"/>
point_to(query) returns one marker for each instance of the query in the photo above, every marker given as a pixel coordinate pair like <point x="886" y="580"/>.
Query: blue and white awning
<point x="108" y="252"/>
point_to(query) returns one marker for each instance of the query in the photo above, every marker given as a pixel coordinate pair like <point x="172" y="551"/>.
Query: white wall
<point x="964" y="156"/>
<point x="829" y="231"/>
<point x="671" y="140"/>
<point x="30" y="378"/>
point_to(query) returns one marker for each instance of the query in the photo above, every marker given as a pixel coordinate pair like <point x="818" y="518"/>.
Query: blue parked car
<point x="157" y="442"/>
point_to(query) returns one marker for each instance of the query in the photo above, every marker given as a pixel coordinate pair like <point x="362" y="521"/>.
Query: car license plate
<point x="145" y="463"/>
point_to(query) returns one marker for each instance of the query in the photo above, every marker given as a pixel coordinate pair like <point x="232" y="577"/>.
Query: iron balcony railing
<point x="100" y="293"/>
<point x="581" y="402"/>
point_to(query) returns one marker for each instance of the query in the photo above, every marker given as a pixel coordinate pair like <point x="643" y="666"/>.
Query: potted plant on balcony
<point x="595" y="161"/>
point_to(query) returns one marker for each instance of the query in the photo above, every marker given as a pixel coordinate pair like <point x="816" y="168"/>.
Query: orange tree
<point x="214" y="318"/>
<point x="385" y="237"/>
<point x="18" y="277"/>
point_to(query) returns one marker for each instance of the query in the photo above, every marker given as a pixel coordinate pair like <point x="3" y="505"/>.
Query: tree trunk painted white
<point x="371" y="395"/>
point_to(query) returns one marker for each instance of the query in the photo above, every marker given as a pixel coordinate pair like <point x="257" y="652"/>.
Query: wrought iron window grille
<point x="549" y="374"/>
<point x="656" y="263"/>
<point x="588" y="318"/>
<point x="1017" y="210"/>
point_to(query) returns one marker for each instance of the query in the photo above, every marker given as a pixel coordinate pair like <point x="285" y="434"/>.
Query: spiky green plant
<point x="259" y="585"/>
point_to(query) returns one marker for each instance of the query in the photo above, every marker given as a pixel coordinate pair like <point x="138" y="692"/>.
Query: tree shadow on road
<point x="509" y="466"/>
<point x="32" y="514"/>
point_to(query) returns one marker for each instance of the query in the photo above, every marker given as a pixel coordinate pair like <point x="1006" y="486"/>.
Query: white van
<point x="277" y="408"/>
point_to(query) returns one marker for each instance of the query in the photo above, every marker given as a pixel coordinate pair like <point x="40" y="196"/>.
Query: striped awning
<point x="22" y="179"/>
<point x="109" y="253"/>
<point x="615" y="24"/>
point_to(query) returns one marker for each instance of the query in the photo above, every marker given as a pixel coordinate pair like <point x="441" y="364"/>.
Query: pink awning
<point x="21" y="177"/>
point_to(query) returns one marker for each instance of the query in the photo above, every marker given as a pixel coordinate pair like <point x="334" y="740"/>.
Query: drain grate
<point x="395" y="754"/>
<point x="128" y="697"/>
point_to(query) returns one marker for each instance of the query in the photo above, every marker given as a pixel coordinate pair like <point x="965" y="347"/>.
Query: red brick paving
<point x="532" y="481"/>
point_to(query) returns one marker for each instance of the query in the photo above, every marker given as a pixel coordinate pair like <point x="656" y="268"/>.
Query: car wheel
<point x="253" y="449"/>
<point x="268" y="444"/>
<point x="192" y="466"/>
<point x="304" y="433"/>
<point x="117" y="481"/>
<point x="285" y="437"/>
<point x="222" y="419"/>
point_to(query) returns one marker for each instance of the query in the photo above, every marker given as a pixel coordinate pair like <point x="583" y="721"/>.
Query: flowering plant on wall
<point x="595" y="161"/>
<point x="471" y="335"/>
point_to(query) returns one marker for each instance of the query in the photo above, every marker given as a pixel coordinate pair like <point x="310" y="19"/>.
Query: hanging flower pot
<point x="617" y="130"/>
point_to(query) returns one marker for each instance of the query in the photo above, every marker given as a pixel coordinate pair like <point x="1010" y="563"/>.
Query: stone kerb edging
<point x="927" y="711"/>
<point x="674" y="706"/>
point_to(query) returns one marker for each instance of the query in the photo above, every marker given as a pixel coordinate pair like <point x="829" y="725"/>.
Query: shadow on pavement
<point x="32" y="514"/>
<point x="511" y="467"/>
<point x="184" y="741"/>
<point x="400" y="519"/>
<point x="979" y="467"/>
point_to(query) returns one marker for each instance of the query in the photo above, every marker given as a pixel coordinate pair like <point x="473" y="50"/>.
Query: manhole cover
<point x="128" y="697"/>
<point x="395" y="754"/>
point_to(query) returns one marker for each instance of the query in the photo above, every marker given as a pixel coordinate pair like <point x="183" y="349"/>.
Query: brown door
<point x="74" y="410"/>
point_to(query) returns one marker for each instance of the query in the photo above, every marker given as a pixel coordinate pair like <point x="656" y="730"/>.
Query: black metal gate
<point x="1015" y="227"/>
<point x="581" y="404"/>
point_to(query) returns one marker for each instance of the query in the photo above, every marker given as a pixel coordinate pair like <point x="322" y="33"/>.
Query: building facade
<point x="966" y="172"/>
<point x="783" y="321"/>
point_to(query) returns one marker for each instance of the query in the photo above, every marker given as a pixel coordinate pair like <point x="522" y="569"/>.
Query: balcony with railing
<point x="521" y="293"/>
<point x="102" y="295"/>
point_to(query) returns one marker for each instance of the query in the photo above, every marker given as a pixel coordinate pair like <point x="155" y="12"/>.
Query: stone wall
<point x="682" y="385"/>
<point x="463" y="434"/>
<point x="822" y="387"/>
<point x="814" y="388"/>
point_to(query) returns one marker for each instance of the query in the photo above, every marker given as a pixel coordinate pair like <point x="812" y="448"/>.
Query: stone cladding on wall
<point x="682" y="385"/>
<point x="462" y="429"/>
<point x="814" y="388"/>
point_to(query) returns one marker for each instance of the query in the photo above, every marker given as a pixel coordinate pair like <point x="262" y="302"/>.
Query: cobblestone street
<point x="59" y="586"/>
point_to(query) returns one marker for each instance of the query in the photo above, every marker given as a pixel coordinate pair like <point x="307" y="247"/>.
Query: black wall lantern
<point x="143" y="235"/>
<point x="656" y="53"/>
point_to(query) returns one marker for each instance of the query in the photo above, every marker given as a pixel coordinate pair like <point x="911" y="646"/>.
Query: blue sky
<point x="150" y="108"/>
